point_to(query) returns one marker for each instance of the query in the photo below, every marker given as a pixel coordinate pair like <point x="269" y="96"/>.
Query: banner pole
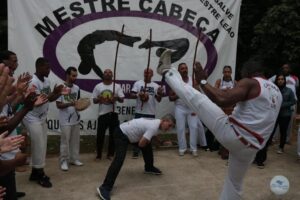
<point x="195" y="54"/>
<point x="115" y="67"/>
<point x="148" y="64"/>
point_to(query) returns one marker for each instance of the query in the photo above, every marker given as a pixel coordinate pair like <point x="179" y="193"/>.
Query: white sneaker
<point x="64" y="166"/>
<point x="181" y="153"/>
<point x="76" y="163"/>
<point x="195" y="153"/>
<point x="280" y="151"/>
<point x="164" y="62"/>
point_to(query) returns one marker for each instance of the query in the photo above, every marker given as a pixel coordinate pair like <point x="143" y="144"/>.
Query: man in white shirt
<point x="35" y="121"/>
<point x="106" y="94"/>
<point x="138" y="131"/>
<point x="69" y="120"/>
<point x="147" y="94"/>
<point x="184" y="114"/>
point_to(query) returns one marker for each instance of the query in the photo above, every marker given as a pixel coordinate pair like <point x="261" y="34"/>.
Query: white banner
<point x="84" y="34"/>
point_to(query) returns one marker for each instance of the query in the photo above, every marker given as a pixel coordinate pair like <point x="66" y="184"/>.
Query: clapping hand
<point x="10" y="143"/>
<point x="23" y="83"/>
<point x="58" y="89"/>
<point x="6" y="83"/>
<point x="40" y="100"/>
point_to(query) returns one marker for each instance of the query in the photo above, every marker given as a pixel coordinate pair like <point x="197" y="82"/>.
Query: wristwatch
<point x="203" y="82"/>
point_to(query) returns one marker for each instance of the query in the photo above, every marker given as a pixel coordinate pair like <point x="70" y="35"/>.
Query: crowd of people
<point x="222" y="111"/>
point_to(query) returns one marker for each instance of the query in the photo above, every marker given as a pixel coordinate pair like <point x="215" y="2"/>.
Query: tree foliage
<point x="270" y="30"/>
<point x="277" y="36"/>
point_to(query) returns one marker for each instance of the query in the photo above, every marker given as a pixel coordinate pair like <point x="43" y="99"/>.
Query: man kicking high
<point x="249" y="126"/>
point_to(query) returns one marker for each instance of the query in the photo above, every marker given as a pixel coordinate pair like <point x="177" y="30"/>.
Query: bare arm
<point x="218" y="83"/>
<point x="56" y="93"/>
<point x="245" y="89"/>
<point x="173" y="96"/>
<point x="143" y="142"/>
<point x="133" y="95"/>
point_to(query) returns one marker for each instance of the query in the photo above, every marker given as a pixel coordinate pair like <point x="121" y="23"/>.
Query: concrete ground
<point x="185" y="177"/>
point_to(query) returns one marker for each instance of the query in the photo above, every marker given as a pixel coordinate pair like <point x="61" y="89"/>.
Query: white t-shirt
<point x="226" y="84"/>
<point x="149" y="107"/>
<point x="107" y="91"/>
<point x="7" y="111"/>
<point x="39" y="114"/>
<point x="179" y="103"/>
<point x="135" y="129"/>
<point x="69" y="116"/>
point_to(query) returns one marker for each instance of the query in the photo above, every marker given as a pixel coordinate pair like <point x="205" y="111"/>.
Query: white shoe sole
<point x="99" y="193"/>
<point x="164" y="62"/>
<point x="153" y="173"/>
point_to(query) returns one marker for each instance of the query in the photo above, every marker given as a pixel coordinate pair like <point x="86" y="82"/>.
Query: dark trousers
<point x="110" y="121"/>
<point x="9" y="182"/>
<point x="136" y="149"/>
<point x="121" y="143"/>
<point x="283" y="123"/>
<point x="212" y="143"/>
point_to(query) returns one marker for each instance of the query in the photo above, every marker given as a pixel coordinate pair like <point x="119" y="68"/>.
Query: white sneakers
<point x="195" y="153"/>
<point x="64" y="165"/>
<point x="76" y="163"/>
<point x="280" y="151"/>
<point x="164" y="62"/>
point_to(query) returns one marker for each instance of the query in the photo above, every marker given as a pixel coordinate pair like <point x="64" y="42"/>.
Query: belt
<point x="243" y="140"/>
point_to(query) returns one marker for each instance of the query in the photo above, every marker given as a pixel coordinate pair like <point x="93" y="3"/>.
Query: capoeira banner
<point x="85" y="33"/>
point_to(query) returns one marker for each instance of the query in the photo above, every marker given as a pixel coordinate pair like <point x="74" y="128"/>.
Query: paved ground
<point x="184" y="177"/>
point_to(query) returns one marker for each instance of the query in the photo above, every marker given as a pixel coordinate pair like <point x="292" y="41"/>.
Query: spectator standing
<point x="35" y="121"/>
<point x="69" y="120"/>
<point x="146" y="99"/>
<point x="108" y="118"/>
<point x="184" y="114"/>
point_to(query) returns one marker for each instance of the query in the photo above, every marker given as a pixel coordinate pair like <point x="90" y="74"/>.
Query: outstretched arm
<point x="243" y="90"/>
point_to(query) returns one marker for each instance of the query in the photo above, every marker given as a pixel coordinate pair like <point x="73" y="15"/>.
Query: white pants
<point x="37" y="132"/>
<point x="240" y="156"/>
<point x="201" y="134"/>
<point x="183" y="115"/>
<point x="69" y="142"/>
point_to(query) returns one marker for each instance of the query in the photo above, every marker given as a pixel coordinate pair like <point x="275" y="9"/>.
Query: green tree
<point x="252" y="11"/>
<point x="277" y="36"/>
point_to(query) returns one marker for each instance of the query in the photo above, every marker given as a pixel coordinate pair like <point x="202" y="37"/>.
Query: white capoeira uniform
<point x="184" y="114"/>
<point x="69" y="120"/>
<point x="243" y="133"/>
<point x="35" y="122"/>
<point x="226" y="84"/>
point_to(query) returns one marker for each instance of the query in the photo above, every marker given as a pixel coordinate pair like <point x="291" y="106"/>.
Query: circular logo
<point x="279" y="185"/>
